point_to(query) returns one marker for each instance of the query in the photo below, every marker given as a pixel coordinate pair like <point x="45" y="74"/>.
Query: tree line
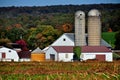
<point x="58" y="15"/>
<point x="40" y="26"/>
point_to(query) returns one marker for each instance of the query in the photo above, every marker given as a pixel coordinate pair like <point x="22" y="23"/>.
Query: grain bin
<point x="80" y="29"/>
<point x="94" y="28"/>
<point x="38" y="55"/>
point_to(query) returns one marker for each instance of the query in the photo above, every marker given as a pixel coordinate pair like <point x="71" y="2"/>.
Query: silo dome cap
<point x="94" y="12"/>
<point x="80" y="14"/>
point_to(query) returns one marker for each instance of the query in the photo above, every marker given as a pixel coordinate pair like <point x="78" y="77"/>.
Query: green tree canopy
<point x="15" y="34"/>
<point x="43" y="36"/>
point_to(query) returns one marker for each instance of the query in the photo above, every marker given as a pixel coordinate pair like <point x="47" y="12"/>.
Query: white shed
<point x="7" y="54"/>
<point x="60" y="53"/>
<point x="100" y="53"/>
<point x="51" y="54"/>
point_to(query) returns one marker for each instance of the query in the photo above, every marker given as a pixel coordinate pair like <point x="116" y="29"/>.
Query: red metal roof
<point x="63" y="49"/>
<point x="95" y="49"/>
<point x="85" y="49"/>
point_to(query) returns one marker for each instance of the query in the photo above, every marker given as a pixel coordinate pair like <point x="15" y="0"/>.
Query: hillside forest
<point x="42" y="25"/>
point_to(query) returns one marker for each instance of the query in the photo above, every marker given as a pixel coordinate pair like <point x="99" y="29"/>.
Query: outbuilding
<point x="100" y="53"/>
<point x="7" y="54"/>
<point x="60" y="53"/>
<point x="65" y="53"/>
<point x="37" y="55"/>
<point x="24" y="56"/>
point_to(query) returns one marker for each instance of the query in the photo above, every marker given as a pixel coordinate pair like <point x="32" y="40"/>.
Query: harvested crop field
<point x="91" y="70"/>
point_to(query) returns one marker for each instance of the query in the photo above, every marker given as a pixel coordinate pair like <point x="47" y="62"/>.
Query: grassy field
<point x="60" y="70"/>
<point x="109" y="37"/>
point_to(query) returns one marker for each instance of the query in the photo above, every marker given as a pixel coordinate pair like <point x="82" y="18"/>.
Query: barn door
<point x="100" y="57"/>
<point x="52" y="57"/>
<point x="3" y="55"/>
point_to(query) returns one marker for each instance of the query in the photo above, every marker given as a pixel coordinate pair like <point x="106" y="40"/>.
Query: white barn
<point x="7" y="54"/>
<point x="60" y="53"/>
<point x="65" y="53"/>
<point x="67" y="40"/>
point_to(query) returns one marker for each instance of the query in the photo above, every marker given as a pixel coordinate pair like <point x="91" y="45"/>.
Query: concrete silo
<point x="80" y="29"/>
<point x="94" y="28"/>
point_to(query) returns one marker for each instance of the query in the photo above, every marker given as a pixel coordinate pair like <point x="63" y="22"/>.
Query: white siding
<point x="60" y="41"/>
<point x="108" y="56"/>
<point x="69" y="42"/>
<point x="59" y="56"/>
<point x="50" y="51"/>
<point x="62" y="57"/>
<point x="88" y="56"/>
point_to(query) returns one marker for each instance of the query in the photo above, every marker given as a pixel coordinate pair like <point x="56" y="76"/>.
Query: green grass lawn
<point x="109" y="37"/>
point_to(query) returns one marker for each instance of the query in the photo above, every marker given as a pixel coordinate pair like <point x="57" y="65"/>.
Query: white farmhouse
<point x="7" y="54"/>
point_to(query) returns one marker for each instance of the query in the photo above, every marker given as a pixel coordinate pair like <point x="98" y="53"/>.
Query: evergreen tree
<point x="77" y="52"/>
<point x="117" y="42"/>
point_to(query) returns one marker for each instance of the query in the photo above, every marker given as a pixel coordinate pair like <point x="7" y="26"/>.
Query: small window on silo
<point x="80" y="14"/>
<point x="64" y="39"/>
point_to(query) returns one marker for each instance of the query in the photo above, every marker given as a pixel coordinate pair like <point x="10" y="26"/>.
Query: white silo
<point x="94" y="28"/>
<point x="80" y="29"/>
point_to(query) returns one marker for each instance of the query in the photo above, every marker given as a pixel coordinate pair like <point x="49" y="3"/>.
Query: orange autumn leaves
<point x="67" y="27"/>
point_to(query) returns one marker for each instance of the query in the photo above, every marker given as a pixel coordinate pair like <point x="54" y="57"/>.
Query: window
<point x="9" y="50"/>
<point x="64" y="39"/>
<point x="66" y="55"/>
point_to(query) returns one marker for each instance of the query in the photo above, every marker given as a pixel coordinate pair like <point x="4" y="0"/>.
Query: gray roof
<point x="37" y="50"/>
<point x="72" y="37"/>
<point x="104" y="43"/>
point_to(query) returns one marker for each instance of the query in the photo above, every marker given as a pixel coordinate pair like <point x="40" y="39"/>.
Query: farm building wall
<point x="66" y="57"/>
<point x="38" y="57"/>
<point x="63" y="41"/>
<point x="49" y="52"/>
<point x="9" y="54"/>
<point x="108" y="56"/>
